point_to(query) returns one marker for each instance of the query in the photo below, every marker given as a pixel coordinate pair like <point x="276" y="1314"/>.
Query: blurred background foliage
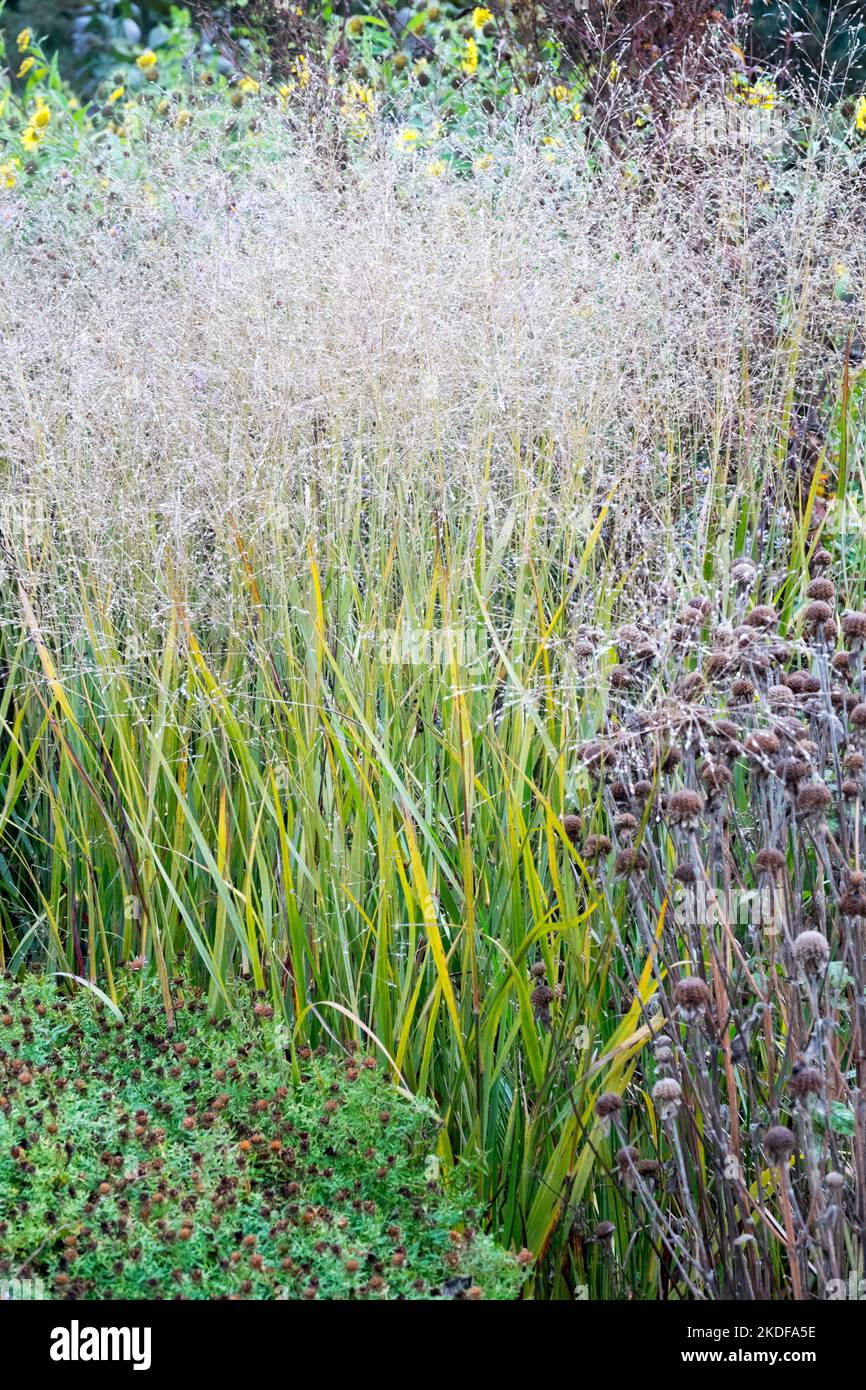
<point x="819" y="41"/>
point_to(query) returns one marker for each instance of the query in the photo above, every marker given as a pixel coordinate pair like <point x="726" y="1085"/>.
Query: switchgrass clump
<point x="378" y="546"/>
<point x="204" y="1166"/>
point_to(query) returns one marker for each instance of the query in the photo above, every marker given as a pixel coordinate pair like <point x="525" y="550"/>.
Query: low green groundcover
<point x="134" y="1165"/>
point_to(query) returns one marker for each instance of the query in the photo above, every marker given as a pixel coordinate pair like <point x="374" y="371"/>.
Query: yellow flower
<point x="407" y="138"/>
<point x="23" y="40"/>
<point x="248" y="85"/>
<point x="577" y="113"/>
<point x="146" y="60"/>
<point x="181" y="120"/>
<point x="7" y="176"/>
<point x="436" y="168"/>
<point x="302" y="68"/>
<point x="860" y="114"/>
<point x="470" y="62"/>
<point x="483" y="162"/>
<point x="559" y="93"/>
<point x="481" y="16"/>
<point x="115" y="96"/>
<point x="25" y="67"/>
<point x="41" y="116"/>
<point x="31" y="138"/>
<point x="613" y="74"/>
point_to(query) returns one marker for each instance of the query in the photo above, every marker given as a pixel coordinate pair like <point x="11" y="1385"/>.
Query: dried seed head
<point x="607" y="1105"/>
<point x="684" y="808"/>
<point x="626" y="824"/>
<point x="854" y="628"/>
<point x="769" y="861"/>
<point x="744" y="573"/>
<point x="763" y="743"/>
<point x="779" y="1144"/>
<point x="648" y="1169"/>
<point x="822" y="589"/>
<point x="742" y="690"/>
<point x="805" y="1081"/>
<point x="792" y="770"/>
<point x="686" y="873"/>
<point x="691" y="997"/>
<point x="667" y="1097"/>
<point x="541" y="997"/>
<point x="604" y="1231"/>
<point x="594" y="846"/>
<point x="816" y="615"/>
<point x="814" y="799"/>
<point x="821" y="560"/>
<point x="630" y="861"/>
<point x="716" y="777"/>
<point x="811" y="952"/>
<point x="853" y="900"/>
<point x="571" y="826"/>
<point x="538" y="970"/>
<point x="778" y="696"/>
<point x="763" y="617"/>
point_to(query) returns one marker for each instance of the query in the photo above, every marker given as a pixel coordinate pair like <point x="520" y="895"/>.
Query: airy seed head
<point x="814" y="799"/>
<point x="607" y="1105"/>
<point x="769" y="860"/>
<point x="854" y="627"/>
<point x="571" y="826"/>
<point x="805" y="1081"/>
<point x="684" y="808"/>
<point x="744" y="573"/>
<point x="811" y="951"/>
<point x="667" y="1097"/>
<point x="779" y="1144"/>
<point x="822" y="589"/>
<point x="691" y="996"/>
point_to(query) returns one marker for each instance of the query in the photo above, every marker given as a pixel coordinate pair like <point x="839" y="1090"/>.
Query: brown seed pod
<point x="744" y="573"/>
<point x="684" y="809"/>
<point x="630" y="861"/>
<point x="594" y="846"/>
<point x="779" y="1144"/>
<point x="571" y="826"/>
<point x="648" y="1169"/>
<point x="813" y="799"/>
<point x="816" y="615"/>
<point x="822" y="589"/>
<point x="691" y="997"/>
<point x="763" y="617"/>
<point x="607" y="1105"/>
<point x="811" y="952"/>
<point x="805" y="1081"/>
<point x="667" y="1097"/>
<point x="769" y="860"/>
<point x="854" y="628"/>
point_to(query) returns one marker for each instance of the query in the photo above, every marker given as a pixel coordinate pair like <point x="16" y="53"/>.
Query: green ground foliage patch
<point x="206" y="1165"/>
